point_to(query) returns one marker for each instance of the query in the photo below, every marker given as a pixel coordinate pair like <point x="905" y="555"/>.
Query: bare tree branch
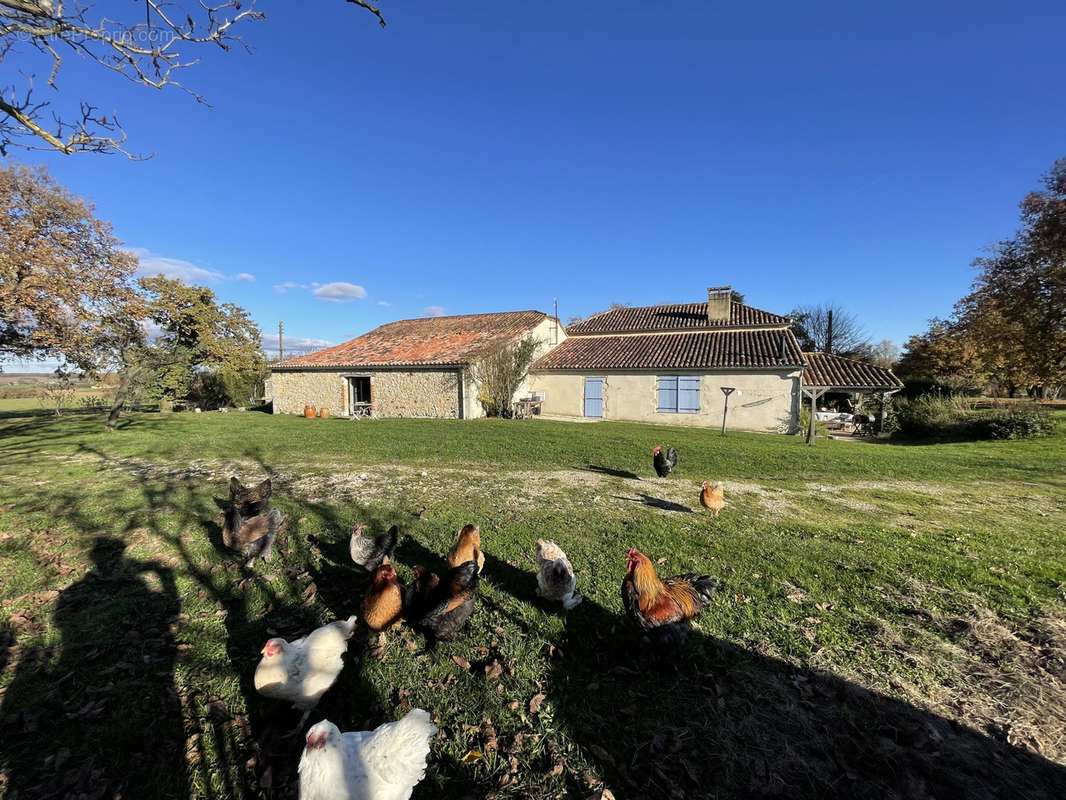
<point x="150" y="53"/>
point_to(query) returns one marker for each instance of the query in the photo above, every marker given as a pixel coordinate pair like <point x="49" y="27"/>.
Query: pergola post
<point x="814" y="394"/>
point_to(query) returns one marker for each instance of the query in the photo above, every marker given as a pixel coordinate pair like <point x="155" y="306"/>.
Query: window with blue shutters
<point x="679" y="394"/>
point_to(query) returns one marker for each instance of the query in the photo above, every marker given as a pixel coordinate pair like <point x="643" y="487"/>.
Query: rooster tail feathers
<point x="234" y="487"/>
<point x="671" y="456"/>
<point x="704" y="585"/>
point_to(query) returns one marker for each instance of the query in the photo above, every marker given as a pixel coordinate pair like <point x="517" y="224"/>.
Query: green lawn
<point x="891" y="620"/>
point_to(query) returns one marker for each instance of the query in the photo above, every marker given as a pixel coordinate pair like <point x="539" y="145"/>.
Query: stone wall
<point x="294" y="390"/>
<point x="419" y="393"/>
<point x="395" y="393"/>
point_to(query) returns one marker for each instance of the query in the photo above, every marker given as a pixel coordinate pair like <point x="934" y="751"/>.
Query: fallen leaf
<point x="472" y="757"/>
<point x="534" y="704"/>
<point x="462" y="662"/>
<point x="493" y="670"/>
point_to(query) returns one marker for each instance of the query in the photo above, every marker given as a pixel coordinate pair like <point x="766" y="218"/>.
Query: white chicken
<point x="556" y="580"/>
<point x="383" y="764"/>
<point x="302" y="671"/>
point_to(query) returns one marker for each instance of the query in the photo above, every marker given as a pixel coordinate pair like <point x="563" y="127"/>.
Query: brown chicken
<point x="713" y="499"/>
<point x="383" y="605"/>
<point x="467" y="548"/>
<point x="662" y="608"/>
<point x="249" y="500"/>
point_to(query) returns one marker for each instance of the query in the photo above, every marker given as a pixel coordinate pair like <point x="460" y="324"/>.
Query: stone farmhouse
<point x="409" y="368"/>
<point x="701" y="364"/>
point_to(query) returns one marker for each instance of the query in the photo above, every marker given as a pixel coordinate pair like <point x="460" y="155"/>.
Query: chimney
<point x="719" y="302"/>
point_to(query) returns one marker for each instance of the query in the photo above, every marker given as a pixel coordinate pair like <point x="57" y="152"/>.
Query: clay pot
<point x="309" y="411"/>
<point x="324" y="413"/>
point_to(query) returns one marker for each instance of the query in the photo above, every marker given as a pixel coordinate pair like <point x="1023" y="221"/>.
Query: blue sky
<point x="477" y="157"/>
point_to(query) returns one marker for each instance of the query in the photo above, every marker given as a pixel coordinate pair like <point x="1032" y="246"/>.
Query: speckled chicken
<point x="467" y="547"/>
<point x="370" y="553"/>
<point x="301" y="671"/>
<point x="383" y="764"/>
<point x="253" y="537"/>
<point x="555" y="580"/>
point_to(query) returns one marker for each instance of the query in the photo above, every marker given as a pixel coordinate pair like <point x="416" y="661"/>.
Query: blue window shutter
<point x="668" y="393"/>
<point x="688" y="394"/>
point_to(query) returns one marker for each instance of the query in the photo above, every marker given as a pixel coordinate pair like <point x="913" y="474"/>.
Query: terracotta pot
<point x="324" y="413"/>
<point x="309" y="411"/>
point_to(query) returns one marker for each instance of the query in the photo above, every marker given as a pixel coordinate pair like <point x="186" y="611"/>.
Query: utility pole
<point x="281" y="345"/>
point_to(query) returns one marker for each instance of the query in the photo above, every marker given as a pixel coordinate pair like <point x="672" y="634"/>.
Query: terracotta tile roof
<point x="826" y="369"/>
<point x="687" y="316"/>
<point x="713" y="350"/>
<point x="451" y="341"/>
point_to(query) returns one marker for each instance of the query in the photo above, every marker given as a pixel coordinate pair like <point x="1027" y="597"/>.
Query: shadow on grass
<point x="721" y="721"/>
<point x="115" y="630"/>
<point x="655" y="502"/>
<point x="616" y="473"/>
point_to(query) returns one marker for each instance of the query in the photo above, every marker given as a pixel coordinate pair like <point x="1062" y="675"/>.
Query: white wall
<point x="767" y="401"/>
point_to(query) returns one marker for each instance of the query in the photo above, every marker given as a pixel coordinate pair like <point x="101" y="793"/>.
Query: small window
<point x="679" y="394"/>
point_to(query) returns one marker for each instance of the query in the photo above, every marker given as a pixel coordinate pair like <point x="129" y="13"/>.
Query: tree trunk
<point x="121" y="395"/>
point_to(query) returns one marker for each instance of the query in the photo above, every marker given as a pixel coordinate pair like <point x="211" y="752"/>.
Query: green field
<point x="891" y="619"/>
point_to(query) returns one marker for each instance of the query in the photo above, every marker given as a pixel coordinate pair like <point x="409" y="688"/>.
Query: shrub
<point x="1017" y="422"/>
<point x="935" y="416"/>
<point x="932" y="416"/>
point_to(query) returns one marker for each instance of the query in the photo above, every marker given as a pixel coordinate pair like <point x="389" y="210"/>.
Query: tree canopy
<point x="1010" y="330"/>
<point x="150" y="44"/>
<point x="62" y="272"/>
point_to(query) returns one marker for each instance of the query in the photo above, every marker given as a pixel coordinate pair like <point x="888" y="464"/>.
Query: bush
<point x="1017" y="422"/>
<point x="932" y="416"/>
<point x="944" y="417"/>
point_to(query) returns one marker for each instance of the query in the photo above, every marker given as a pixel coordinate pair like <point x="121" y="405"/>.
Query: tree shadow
<point x="717" y="720"/>
<point x="73" y="734"/>
<point x="655" y="502"/>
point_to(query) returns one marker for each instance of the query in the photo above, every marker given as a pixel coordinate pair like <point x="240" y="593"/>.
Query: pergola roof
<point x="829" y="371"/>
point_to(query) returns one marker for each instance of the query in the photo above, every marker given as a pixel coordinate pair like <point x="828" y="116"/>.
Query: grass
<point x="891" y="619"/>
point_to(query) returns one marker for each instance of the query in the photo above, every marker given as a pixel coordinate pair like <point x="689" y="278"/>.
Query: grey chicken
<point x="369" y="553"/>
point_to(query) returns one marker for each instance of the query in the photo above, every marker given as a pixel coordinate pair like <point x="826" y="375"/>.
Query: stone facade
<point x="294" y="390"/>
<point x="394" y="393"/>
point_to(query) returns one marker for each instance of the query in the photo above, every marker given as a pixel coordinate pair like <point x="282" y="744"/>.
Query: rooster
<point x="253" y="537"/>
<point x="383" y="605"/>
<point x="440" y="608"/>
<point x="369" y="553"/>
<point x="301" y="671"/>
<point x="249" y="500"/>
<point x="466" y="546"/>
<point x="383" y="764"/>
<point x="556" y="581"/>
<point x="664" y="465"/>
<point x="662" y="608"/>
<point x="713" y="499"/>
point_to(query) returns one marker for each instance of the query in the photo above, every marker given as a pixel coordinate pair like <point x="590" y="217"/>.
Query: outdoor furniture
<point x="527" y="407"/>
<point x="360" y="410"/>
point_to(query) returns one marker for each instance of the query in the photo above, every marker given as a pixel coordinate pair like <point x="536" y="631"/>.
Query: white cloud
<point x="270" y="342"/>
<point x="385" y="303"/>
<point x="245" y="276"/>
<point x="281" y="288"/>
<point x="433" y="311"/>
<point x="184" y="271"/>
<point x="339" y="292"/>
